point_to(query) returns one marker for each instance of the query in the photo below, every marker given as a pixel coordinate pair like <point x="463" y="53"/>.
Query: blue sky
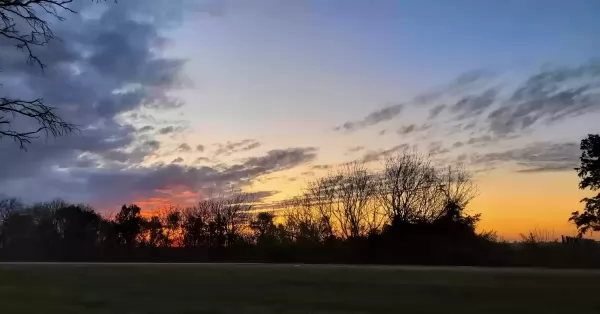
<point x="323" y="60"/>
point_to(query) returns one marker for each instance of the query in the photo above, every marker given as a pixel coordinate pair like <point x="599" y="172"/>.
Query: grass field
<point x="50" y="288"/>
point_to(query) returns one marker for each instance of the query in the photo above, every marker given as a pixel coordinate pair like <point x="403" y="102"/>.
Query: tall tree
<point x="589" y="172"/>
<point x="128" y="224"/>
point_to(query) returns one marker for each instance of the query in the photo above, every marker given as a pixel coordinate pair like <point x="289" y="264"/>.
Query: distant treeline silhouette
<point x="411" y="212"/>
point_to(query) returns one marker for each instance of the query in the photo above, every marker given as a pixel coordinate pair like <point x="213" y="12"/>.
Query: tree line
<point x="409" y="212"/>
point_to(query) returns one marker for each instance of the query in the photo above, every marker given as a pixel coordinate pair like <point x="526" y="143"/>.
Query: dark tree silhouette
<point x="263" y="227"/>
<point x="22" y="24"/>
<point x="589" y="172"/>
<point x="128" y="224"/>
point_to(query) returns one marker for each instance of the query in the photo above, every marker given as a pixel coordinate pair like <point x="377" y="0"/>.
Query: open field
<point x="247" y="288"/>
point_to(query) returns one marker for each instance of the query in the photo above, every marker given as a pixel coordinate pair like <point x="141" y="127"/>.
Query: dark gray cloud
<point x="355" y="149"/>
<point x="437" y="148"/>
<point x="108" y="187"/>
<point x="458" y="145"/>
<point x="549" y="96"/>
<point x="407" y="129"/>
<point x="202" y="160"/>
<point x="282" y="159"/>
<point x="480" y="140"/>
<point x="108" y="62"/>
<point x="200" y="148"/>
<point x="377" y="155"/>
<point x="435" y="111"/>
<point x="538" y="157"/>
<point x="184" y="147"/>
<point x="472" y="106"/>
<point x="167" y="130"/>
<point x="375" y="117"/>
<point x="177" y="160"/>
<point x="234" y="147"/>
<point x="412" y="128"/>
<point x="146" y="128"/>
<point x="461" y="84"/>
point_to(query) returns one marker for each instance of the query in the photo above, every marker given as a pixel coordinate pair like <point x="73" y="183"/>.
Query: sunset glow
<point x="191" y="99"/>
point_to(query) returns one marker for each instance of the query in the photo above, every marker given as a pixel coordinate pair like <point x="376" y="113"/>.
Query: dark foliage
<point x="589" y="172"/>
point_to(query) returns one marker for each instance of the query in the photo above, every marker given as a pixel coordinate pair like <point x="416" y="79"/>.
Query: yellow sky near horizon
<point x="511" y="203"/>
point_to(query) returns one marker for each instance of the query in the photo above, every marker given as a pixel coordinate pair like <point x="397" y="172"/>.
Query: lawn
<point x="292" y="289"/>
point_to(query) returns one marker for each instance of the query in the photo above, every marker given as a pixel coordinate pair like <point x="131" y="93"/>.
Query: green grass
<point x="289" y="289"/>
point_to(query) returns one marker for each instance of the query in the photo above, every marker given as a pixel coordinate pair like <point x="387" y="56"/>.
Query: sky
<point x="182" y="99"/>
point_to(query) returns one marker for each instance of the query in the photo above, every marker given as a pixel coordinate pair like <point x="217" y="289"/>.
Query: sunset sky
<point x="178" y="100"/>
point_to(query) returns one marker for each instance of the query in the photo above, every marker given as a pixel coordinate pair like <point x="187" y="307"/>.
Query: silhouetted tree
<point x="409" y="188"/>
<point x="306" y="224"/>
<point x="7" y="206"/>
<point x="263" y="227"/>
<point x="195" y="222"/>
<point x="128" y="225"/>
<point x="78" y="227"/>
<point x="589" y="172"/>
<point x="153" y="233"/>
<point x="171" y="220"/>
<point x="22" y="24"/>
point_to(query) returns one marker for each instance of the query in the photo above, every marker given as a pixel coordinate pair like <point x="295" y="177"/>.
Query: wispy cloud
<point x="373" y="118"/>
<point x="234" y="147"/>
<point x="413" y="128"/>
<point x="537" y="157"/>
<point x="377" y="155"/>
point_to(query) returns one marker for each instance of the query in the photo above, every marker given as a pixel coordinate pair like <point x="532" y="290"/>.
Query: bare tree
<point x="458" y="190"/>
<point x="304" y="223"/>
<point x="171" y="219"/>
<point x="8" y="206"/>
<point x="412" y="190"/>
<point x="344" y="201"/>
<point x="408" y="187"/>
<point x="353" y="201"/>
<point x="22" y="23"/>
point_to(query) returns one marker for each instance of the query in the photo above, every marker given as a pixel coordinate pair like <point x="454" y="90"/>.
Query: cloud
<point x="412" y="128"/>
<point x="234" y="147"/>
<point x="480" y="140"/>
<point x="170" y="129"/>
<point x="472" y="106"/>
<point x="462" y="83"/>
<point x="177" y="160"/>
<point x="202" y="160"/>
<point x="200" y="148"/>
<point x="549" y="96"/>
<point x="435" y="111"/>
<point x="377" y="155"/>
<point x="184" y="147"/>
<point x="436" y="148"/>
<point x="537" y="157"/>
<point x="108" y="64"/>
<point x="110" y="187"/>
<point x="458" y="145"/>
<point x="355" y="149"/>
<point x="376" y="117"/>
<point x="321" y="167"/>
<point x="282" y="159"/>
